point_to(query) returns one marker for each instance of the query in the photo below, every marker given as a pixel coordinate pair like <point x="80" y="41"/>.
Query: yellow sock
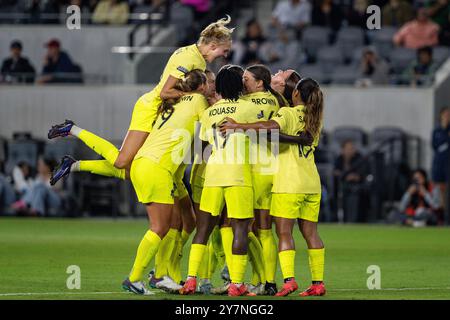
<point x="269" y="249"/>
<point x="217" y="249"/>
<point x="212" y="260"/>
<point x="103" y="147"/>
<point x="164" y="253"/>
<point x="146" y="251"/>
<point x="203" y="269"/>
<point x="316" y="263"/>
<point x="101" y="167"/>
<point x="174" y="269"/>
<point x="227" y="242"/>
<point x="287" y="262"/>
<point x="195" y="258"/>
<point x="237" y="271"/>
<point x="255" y="253"/>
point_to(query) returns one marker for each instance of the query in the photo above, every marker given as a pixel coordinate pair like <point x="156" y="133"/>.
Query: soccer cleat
<point x="60" y="130"/>
<point x="152" y="280"/>
<point x="136" y="287"/>
<point x="168" y="284"/>
<point x="258" y="289"/>
<point x="62" y="170"/>
<point x="189" y="286"/>
<point x="314" y="290"/>
<point x="235" y="291"/>
<point x="205" y="288"/>
<point x="270" y="288"/>
<point x="225" y="274"/>
<point x="288" y="287"/>
<point x="222" y="289"/>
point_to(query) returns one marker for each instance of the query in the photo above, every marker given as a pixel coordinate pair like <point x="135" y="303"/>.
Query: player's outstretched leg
<point x="63" y="169"/>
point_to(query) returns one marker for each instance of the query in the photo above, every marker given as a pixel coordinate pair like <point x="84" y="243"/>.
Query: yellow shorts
<point x="296" y="206"/>
<point x="262" y="187"/>
<point x="239" y="201"/>
<point x="144" y="112"/>
<point x="196" y="193"/>
<point x="151" y="182"/>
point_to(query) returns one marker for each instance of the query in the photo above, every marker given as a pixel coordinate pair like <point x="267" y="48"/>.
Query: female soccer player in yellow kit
<point x="214" y="42"/>
<point x="296" y="186"/>
<point x="227" y="182"/>
<point x="153" y="169"/>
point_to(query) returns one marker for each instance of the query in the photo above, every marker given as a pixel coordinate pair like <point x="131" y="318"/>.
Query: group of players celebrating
<point x="234" y="200"/>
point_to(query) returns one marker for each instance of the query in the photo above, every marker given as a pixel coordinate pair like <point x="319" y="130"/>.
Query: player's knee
<point x="160" y="230"/>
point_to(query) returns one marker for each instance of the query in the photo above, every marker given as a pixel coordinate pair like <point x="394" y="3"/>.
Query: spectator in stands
<point x="40" y="198"/>
<point x="58" y="66"/>
<point x="200" y="7"/>
<point x="441" y="149"/>
<point x="421" y="201"/>
<point x="7" y="195"/>
<point x="249" y="49"/>
<point x="295" y="14"/>
<point x="396" y="13"/>
<point x="421" y="70"/>
<point x="21" y="175"/>
<point x="327" y="14"/>
<point x="350" y="173"/>
<point x="45" y="12"/>
<point x="357" y="16"/>
<point x="439" y="11"/>
<point x="373" y="70"/>
<point x="282" y="52"/>
<point x="111" y="12"/>
<point x="17" y="68"/>
<point x="419" y="32"/>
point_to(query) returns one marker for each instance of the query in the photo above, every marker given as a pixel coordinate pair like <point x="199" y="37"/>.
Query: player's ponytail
<point x="262" y="73"/>
<point x="216" y="32"/>
<point x="312" y="97"/>
<point x="290" y="84"/>
<point x="191" y="82"/>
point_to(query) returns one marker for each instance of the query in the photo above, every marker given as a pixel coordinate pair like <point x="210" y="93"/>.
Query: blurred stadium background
<point x="381" y="93"/>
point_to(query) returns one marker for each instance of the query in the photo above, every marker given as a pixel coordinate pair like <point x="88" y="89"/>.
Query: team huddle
<point x="255" y="168"/>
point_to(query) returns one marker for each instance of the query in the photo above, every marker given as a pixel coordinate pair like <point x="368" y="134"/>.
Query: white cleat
<point x="169" y="285"/>
<point x="221" y="290"/>
<point x="137" y="287"/>
<point x="258" y="289"/>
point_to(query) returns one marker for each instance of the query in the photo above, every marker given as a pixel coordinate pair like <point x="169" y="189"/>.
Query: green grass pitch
<point x="35" y="253"/>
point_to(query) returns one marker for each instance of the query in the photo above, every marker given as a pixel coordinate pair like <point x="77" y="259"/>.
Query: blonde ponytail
<point x="216" y="32"/>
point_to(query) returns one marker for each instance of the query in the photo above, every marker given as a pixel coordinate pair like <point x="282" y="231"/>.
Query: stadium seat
<point x="382" y="40"/>
<point x="181" y="17"/>
<point x="329" y="57"/>
<point x="344" y="75"/>
<point x="440" y="54"/>
<point x="313" y="39"/>
<point x="401" y="58"/>
<point x="381" y="135"/>
<point x="348" y="39"/>
<point x="344" y="133"/>
<point x="313" y="71"/>
<point x="21" y="150"/>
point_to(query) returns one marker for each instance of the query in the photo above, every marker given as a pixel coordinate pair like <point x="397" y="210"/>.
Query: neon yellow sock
<point x="287" y="262"/>
<point x="102" y="167"/>
<point x="227" y="242"/>
<point x="255" y="253"/>
<point x="101" y="146"/>
<point x="217" y="249"/>
<point x="146" y="251"/>
<point x="237" y="271"/>
<point x="316" y="263"/>
<point x="164" y="253"/>
<point x="195" y="258"/>
<point x="212" y="260"/>
<point x="203" y="269"/>
<point x="174" y="269"/>
<point x="269" y="248"/>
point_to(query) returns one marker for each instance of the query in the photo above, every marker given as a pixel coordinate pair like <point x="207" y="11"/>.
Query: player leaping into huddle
<point x="296" y="188"/>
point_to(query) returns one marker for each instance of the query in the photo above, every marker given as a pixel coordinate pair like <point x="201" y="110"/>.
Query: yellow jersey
<point x="171" y="137"/>
<point x="297" y="171"/>
<point x="267" y="105"/>
<point x="228" y="164"/>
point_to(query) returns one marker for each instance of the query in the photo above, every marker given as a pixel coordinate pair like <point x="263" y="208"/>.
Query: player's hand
<point x="227" y="124"/>
<point x="306" y="137"/>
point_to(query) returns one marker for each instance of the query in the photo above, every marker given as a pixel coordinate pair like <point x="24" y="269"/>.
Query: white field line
<point x="160" y="292"/>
